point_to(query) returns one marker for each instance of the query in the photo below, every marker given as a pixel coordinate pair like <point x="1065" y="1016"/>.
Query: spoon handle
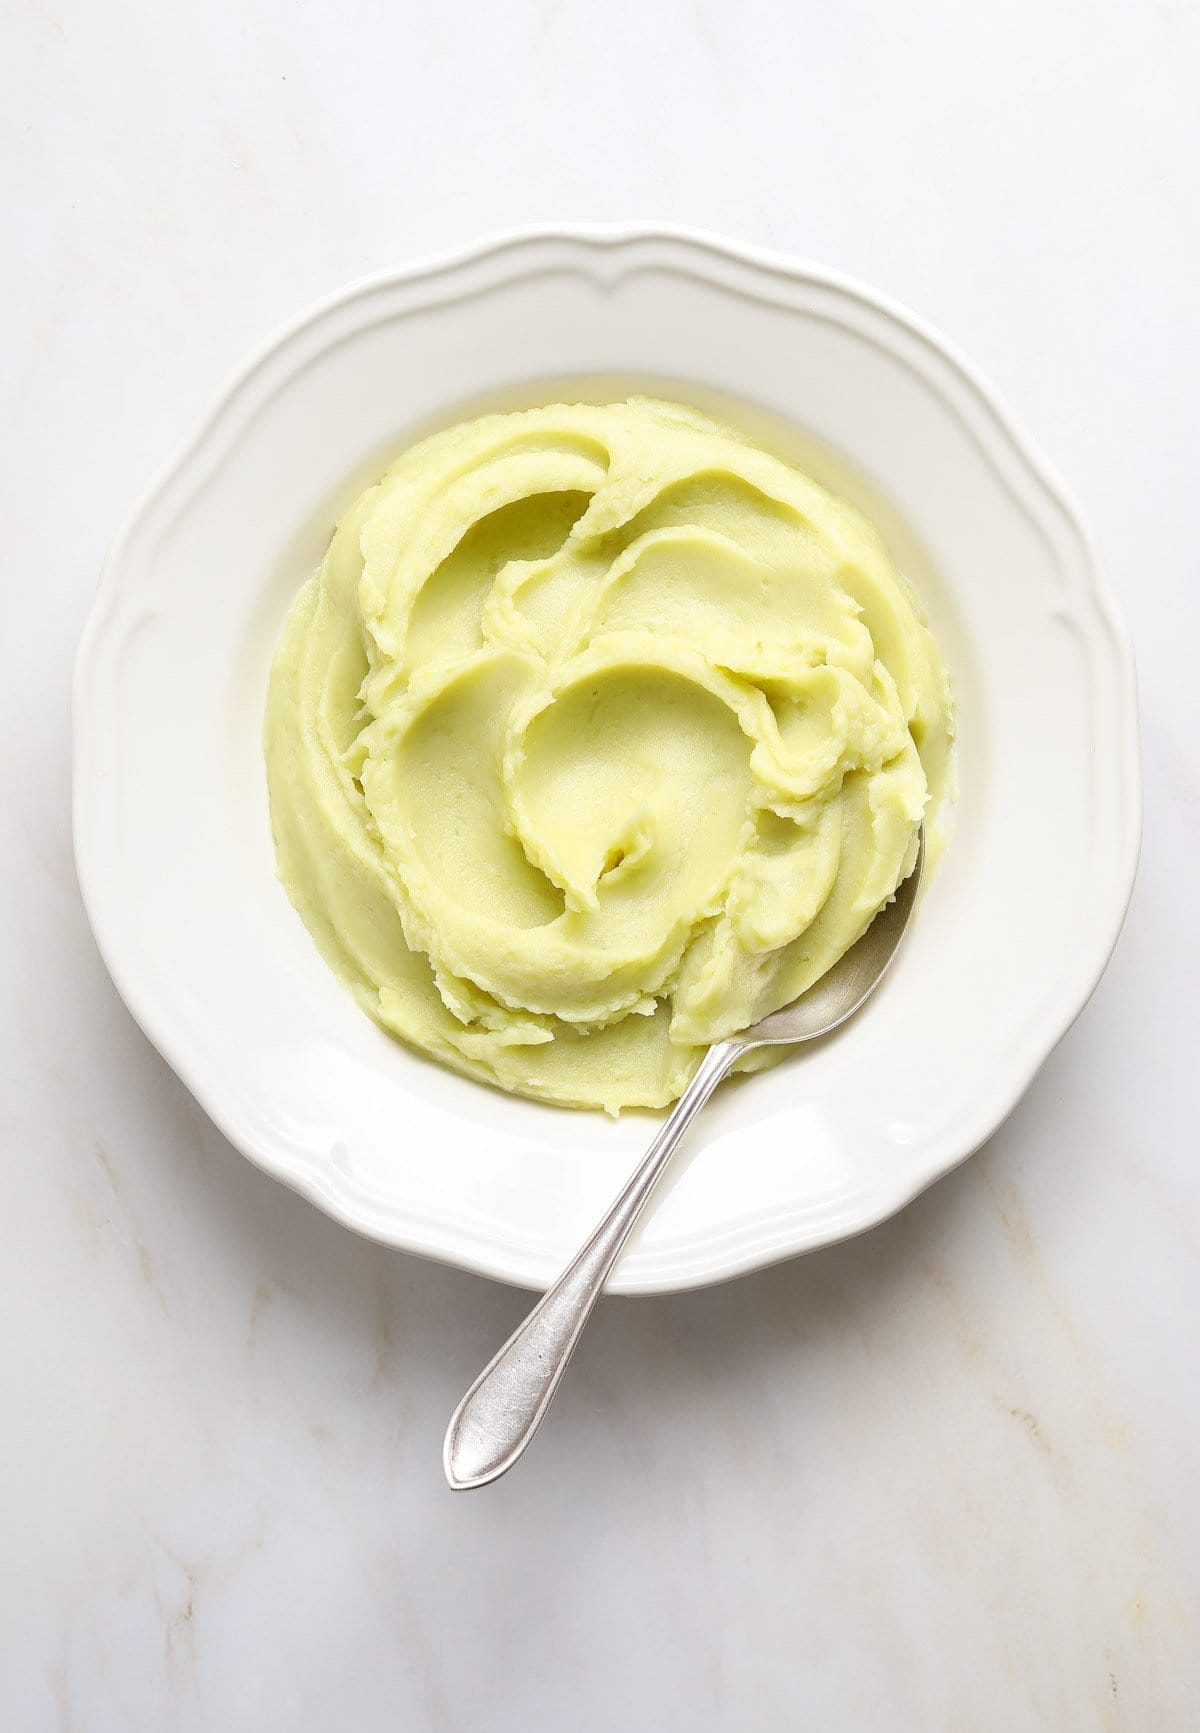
<point x="504" y="1407"/>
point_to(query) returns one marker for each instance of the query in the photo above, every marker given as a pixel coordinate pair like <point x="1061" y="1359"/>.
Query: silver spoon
<point x="506" y="1404"/>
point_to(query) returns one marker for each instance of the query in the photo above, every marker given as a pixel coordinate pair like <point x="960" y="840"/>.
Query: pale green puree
<point x="599" y="733"/>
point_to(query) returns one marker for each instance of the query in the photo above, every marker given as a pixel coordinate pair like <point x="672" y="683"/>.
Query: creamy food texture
<point x="599" y="733"/>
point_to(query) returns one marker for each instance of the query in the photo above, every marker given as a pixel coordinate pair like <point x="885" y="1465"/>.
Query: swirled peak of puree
<point x="598" y="734"/>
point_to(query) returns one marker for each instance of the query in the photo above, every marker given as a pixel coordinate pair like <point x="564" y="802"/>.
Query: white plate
<point x="172" y="840"/>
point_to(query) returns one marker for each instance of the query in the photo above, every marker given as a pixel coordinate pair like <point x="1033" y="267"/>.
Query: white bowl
<point x="171" y="831"/>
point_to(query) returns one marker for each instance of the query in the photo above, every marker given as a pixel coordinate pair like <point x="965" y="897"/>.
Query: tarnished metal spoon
<point x="504" y="1407"/>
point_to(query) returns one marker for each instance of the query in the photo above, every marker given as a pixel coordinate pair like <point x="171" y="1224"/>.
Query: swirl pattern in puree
<point x="599" y="733"/>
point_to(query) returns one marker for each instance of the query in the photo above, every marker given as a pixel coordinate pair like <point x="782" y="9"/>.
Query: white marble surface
<point x="941" y="1478"/>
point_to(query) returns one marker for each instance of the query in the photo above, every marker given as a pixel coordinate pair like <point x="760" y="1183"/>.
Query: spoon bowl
<point x="849" y="984"/>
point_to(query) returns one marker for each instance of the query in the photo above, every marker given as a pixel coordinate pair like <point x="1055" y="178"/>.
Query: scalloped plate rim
<point x="742" y="1247"/>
